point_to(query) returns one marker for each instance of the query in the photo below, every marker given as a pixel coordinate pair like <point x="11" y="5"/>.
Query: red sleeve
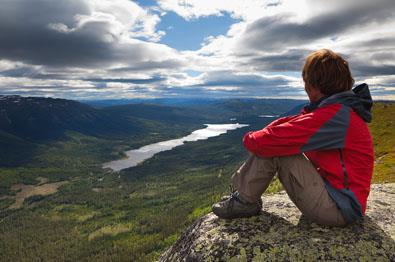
<point x="290" y="137"/>
<point x="281" y="120"/>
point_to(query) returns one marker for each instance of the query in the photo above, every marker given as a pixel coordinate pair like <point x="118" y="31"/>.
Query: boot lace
<point x="234" y="196"/>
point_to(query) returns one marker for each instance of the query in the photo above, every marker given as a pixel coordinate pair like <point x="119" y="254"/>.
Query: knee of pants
<point x="330" y="217"/>
<point x="292" y="160"/>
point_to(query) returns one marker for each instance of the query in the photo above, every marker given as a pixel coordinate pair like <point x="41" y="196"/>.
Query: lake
<point x="136" y="156"/>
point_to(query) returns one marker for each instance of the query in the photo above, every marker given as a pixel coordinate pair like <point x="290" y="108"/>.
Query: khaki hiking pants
<point x="304" y="186"/>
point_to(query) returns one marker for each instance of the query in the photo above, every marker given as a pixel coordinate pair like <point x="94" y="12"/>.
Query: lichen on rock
<point x="280" y="233"/>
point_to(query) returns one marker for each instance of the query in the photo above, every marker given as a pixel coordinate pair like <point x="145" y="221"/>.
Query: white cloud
<point x="130" y="16"/>
<point x="278" y="41"/>
<point x="76" y="47"/>
<point x="247" y="10"/>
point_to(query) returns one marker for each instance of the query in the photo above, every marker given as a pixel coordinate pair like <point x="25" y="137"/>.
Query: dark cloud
<point x="375" y="43"/>
<point x="365" y="70"/>
<point x="69" y="92"/>
<point x="278" y="43"/>
<point x="127" y="80"/>
<point x="231" y="84"/>
<point x="25" y="35"/>
<point x="374" y="61"/>
<point x="46" y="32"/>
<point x="149" y="65"/>
<point x="23" y="71"/>
<point x="290" y="60"/>
<point x="251" y="91"/>
<point x="272" y="33"/>
<point x="229" y="78"/>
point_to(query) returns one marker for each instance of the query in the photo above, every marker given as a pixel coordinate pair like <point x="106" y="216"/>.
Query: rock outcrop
<point x="280" y="233"/>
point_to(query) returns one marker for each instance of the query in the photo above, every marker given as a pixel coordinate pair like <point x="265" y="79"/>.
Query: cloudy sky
<point x="99" y="49"/>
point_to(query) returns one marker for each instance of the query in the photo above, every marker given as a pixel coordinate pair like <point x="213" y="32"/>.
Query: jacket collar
<point x="313" y="105"/>
<point x="359" y="99"/>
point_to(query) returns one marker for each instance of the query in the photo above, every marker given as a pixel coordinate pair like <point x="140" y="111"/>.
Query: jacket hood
<point x="359" y="99"/>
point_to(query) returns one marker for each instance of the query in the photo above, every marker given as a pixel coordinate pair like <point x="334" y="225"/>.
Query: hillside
<point x="383" y="132"/>
<point x="46" y="118"/>
<point x="29" y="125"/>
<point x="140" y="212"/>
<point x="43" y="119"/>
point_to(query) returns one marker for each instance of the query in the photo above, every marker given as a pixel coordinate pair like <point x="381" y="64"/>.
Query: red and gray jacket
<point x="334" y="135"/>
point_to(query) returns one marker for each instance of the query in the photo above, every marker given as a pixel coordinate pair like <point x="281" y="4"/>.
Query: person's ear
<point x="308" y="88"/>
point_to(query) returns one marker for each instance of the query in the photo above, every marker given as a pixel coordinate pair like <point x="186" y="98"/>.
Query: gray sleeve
<point x="331" y="134"/>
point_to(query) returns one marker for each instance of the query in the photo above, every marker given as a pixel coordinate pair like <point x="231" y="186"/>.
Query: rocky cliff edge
<point x="280" y="233"/>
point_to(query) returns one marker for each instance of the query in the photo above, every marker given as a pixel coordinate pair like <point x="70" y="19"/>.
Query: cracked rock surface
<point x="280" y="233"/>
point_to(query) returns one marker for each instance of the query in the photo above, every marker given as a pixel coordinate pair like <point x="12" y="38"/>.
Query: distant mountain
<point x="294" y="111"/>
<point x="41" y="119"/>
<point x="156" y="101"/>
<point x="28" y="123"/>
<point x="246" y="107"/>
<point x="229" y="105"/>
<point x="36" y="119"/>
<point x="157" y="112"/>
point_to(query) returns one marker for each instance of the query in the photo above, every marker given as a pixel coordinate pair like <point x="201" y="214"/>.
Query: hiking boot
<point x="232" y="190"/>
<point x="223" y="198"/>
<point x="235" y="206"/>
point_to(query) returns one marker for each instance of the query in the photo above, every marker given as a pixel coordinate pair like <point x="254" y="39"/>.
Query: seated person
<point x="323" y="156"/>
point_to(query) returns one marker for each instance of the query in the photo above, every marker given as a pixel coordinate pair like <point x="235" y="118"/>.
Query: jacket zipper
<point x="345" y="177"/>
